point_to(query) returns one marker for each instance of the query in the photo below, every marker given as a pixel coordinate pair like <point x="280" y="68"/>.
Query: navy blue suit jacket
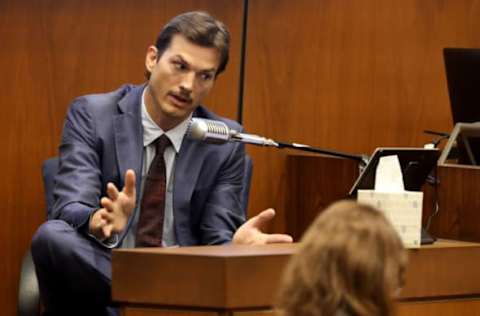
<point x="103" y="137"/>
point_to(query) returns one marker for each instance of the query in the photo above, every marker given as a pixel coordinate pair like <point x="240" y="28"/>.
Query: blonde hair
<point x="350" y="260"/>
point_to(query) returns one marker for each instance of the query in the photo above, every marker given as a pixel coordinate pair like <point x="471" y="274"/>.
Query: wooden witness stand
<point x="442" y="279"/>
<point x="459" y="203"/>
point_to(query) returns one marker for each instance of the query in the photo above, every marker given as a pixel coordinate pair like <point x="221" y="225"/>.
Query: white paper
<point x="388" y="177"/>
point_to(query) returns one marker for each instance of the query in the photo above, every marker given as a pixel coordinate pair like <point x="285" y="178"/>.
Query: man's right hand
<point x="112" y="218"/>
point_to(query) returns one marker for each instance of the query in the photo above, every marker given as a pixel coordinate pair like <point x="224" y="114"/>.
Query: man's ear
<point x="151" y="58"/>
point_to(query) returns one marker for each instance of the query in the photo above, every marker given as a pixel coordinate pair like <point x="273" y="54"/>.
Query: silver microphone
<point x="217" y="132"/>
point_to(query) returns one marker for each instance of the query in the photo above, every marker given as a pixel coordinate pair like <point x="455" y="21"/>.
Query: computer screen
<point x="462" y="67"/>
<point x="415" y="163"/>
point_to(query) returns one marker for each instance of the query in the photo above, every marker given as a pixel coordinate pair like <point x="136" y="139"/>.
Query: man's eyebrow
<point x="181" y="59"/>
<point x="208" y="70"/>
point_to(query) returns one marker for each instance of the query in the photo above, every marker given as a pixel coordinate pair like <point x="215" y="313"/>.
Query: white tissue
<point x="388" y="177"/>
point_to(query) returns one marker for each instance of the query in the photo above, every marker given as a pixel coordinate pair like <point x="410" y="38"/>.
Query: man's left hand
<point x="250" y="233"/>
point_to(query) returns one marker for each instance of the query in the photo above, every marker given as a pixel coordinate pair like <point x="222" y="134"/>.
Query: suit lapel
<point x="128" y="133"/>
<point x="187" y="168"/>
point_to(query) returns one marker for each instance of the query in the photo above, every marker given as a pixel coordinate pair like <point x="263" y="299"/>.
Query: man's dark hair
<point x="200" y="28"/>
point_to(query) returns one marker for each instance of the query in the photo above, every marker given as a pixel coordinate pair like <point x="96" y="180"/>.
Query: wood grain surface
<point x="347" y="75"/>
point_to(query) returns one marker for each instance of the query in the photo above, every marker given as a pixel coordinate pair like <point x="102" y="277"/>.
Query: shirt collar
<point x="152" y="131"/>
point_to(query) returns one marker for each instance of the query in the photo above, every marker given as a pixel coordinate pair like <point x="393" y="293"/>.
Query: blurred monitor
<point x="462" y="66"/>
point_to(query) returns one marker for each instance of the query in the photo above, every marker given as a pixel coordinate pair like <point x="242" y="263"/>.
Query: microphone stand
<point x="360" y="158"/>
<point x="268" y="142"/>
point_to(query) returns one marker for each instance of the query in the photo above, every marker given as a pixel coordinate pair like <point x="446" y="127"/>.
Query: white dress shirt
<point x="152" y="131"/>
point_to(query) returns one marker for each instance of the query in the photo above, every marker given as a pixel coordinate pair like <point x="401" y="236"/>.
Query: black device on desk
<point x="415" y="163"/>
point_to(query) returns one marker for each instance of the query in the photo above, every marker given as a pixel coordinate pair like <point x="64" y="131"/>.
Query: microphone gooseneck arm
<point x="311" y="149"/>
<point x="262" y="141"/>
<point x="217" y="132"/>
<point x="252" y="139"/>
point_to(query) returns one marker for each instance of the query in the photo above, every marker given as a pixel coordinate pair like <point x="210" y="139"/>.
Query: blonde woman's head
<point x="350" y="260"/>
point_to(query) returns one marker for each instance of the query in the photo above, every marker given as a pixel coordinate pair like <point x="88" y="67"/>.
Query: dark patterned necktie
<point x="152" y="208"/>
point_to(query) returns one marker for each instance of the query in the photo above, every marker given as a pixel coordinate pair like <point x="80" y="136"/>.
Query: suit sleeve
<point x="78" y="183"/>
<point x="223" y="212"/>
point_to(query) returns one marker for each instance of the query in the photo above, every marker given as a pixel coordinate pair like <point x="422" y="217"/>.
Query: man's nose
<point x="188" y="81"/>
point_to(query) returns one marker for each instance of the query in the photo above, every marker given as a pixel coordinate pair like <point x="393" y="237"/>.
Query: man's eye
<point x="179" y="66"/>
<point x="206" y="76"/>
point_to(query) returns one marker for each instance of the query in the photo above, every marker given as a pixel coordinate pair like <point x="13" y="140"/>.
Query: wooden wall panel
<point x="347" y="75"/>
<point x="53" y="51"/>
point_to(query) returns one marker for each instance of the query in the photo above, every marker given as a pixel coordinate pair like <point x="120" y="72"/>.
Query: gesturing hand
<point x="250" y="233"/>
<point x="117" y="208"/>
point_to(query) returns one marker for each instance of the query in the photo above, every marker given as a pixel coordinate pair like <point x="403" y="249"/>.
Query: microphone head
<point x="209" y="131"/>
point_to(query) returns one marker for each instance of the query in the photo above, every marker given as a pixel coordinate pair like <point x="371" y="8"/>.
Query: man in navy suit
<point x="106" y="150"/>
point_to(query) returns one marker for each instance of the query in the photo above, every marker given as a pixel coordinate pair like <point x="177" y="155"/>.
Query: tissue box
<point x="403" y="209"/>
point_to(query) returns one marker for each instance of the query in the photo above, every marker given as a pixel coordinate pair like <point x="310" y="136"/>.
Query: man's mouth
<point x="179" y="99"/>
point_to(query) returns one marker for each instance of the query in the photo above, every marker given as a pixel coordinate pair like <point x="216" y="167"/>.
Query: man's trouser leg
<point x="74" y="272"/>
